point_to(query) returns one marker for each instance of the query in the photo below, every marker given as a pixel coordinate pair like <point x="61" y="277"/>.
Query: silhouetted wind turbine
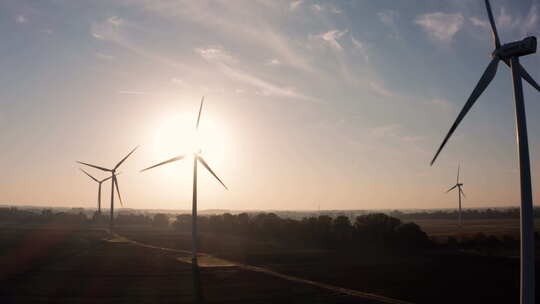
<point x="509" y="53"/>
<point x="114" y="183"/>
<point x="99" y="187"/>
<point x="196" y="159"/>
<point x="460" y="192"/>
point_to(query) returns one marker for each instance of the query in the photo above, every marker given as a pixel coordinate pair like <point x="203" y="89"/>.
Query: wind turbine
<point x="460" y="193"/>
<point x="509" y="53"/>
<point x="114" y="183"/>
<point x="197" y="158"/>
<point x="99" y="187"/>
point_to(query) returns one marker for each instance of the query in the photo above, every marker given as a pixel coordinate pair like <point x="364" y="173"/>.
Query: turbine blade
<point x="115" y="182"/>
<point x="484" y="81"/>
<point x="528" y="78"/>
<point x="208" y="168"/>
<point x="199" y="116"/>
<point x="94" y="166"/>
<point x="89" y="175"/>
<point x="105" y="179"/>
<point x="525" y="75"/>
<point x="451" y="189"/>
<point x="179" y="157"/>
<point x="496" y="40"/>
<point x="463" y="193"/>
<point x="457" y="179"/>
<point x="123" y="159"/>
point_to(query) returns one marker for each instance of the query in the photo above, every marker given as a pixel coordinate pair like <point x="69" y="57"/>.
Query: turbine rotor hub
<point x="523" y="47"/>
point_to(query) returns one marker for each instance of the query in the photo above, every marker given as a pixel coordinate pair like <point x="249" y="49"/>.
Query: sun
<point x="176" y="135"/>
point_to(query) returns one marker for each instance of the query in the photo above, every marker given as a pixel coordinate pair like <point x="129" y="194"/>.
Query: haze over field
<point x="338" y="103"/>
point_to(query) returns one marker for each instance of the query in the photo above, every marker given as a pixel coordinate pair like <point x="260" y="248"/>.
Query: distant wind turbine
<point x="114" y="183"/>
<point x="99" y="187"/>
<point x="196" y="159"/>
<point x="460" y="193"/>
<point x="509" y="53"/>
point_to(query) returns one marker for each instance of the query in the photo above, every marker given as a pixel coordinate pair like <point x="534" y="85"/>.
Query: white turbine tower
<point x="459" y="186"/>
<point x="509" y="53"/>
<point x="114" y="183"/>
<point x="197" y="158"/>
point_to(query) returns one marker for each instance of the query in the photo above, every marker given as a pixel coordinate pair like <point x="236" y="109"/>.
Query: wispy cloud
<point x="479" y="22"/>
<point x="505" y="20"/>
<point x="104" y="56"/>
<point x="108" y="29"/>
<point x="47" y="31"/>
<point x="331" y="38"/>
<point x="295" y="4"/>
<point x="115" y="20"/>
<point x="316" y="7"/>
<point x="236" y="22"/>
<point x="273" y="62"/>
<point x="361" y="47"/>
<point x="525" y="24"/>
<point x="531" y="21"/>
<point x="440" y="26"/>
<point x="380" y="89"/>
<point x="21" y="19"/>
<point x="214" y="53"/>
<point x="265" y="88"/>
<point x="225" y="63"/>
<point x="336" y="10"/>
<point x="388" y="17"/>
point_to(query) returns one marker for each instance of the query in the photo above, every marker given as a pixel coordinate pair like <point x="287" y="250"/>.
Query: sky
<point x="337" y="104"/>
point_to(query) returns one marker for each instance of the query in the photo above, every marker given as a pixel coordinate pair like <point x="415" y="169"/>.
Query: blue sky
<point x="337" y="103"/>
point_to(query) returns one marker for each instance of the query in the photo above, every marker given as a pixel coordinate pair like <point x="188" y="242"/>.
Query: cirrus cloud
<point x="440" y="26"/>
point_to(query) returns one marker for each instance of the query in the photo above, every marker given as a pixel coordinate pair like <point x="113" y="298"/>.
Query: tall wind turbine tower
<point x="197" y="158"/>
<point x="459" y="186"/>
<point x="114" y="184"/>
<point x="509" y="54"/>
<point x="99" y="187"/>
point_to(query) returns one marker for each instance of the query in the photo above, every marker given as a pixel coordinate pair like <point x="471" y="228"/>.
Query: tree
<point x="342" y="230"/>
<point x="412" y="237"/>
<point x="160" y="220"/>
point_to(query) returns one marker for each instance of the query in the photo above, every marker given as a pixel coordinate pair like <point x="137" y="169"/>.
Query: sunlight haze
<point x="337" y="104"/>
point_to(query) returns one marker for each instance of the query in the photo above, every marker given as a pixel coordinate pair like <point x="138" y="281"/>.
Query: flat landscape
<point x="497" y="227"/>
<point x="417" y="278"/>
<point x="62" y="264"/>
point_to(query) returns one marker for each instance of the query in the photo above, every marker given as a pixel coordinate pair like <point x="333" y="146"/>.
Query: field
<point x="497" y="227"/>
<point x="58" y="264"/>
<point x="70" y="265"/>
<point x="414" y="278"/>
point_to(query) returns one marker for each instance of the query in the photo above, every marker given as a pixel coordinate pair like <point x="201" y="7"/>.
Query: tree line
<point x="467" y="214"/>
<point x="367" y="231"/>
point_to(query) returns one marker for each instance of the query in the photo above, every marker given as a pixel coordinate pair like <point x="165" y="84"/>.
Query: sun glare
<point x="176" y="135"/>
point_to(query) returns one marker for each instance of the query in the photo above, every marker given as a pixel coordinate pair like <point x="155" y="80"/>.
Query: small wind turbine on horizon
<point x="509" y="53"/>
<point x="99" y="187"/>
<point x="197" y="158"/>
<point x="460" y="193"/>
<point x="114" y="183"/>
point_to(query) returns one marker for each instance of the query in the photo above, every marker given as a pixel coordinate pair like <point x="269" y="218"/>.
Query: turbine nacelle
<point x="523" y="47"/>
